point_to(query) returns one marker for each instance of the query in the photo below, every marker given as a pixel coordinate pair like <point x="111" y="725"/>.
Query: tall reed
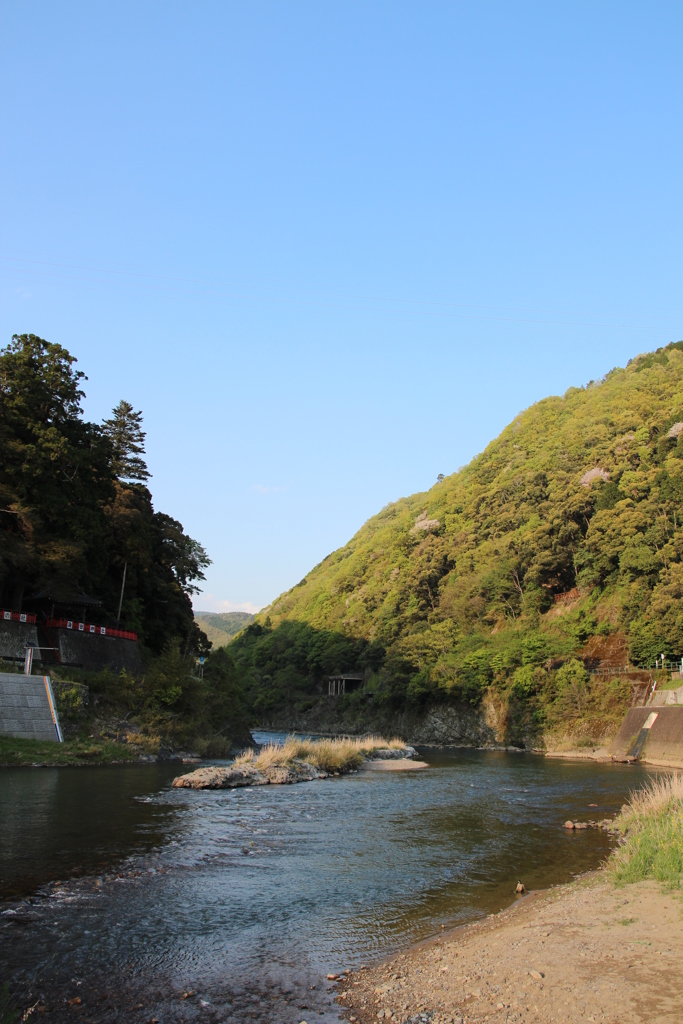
<point x="329" y="755"/>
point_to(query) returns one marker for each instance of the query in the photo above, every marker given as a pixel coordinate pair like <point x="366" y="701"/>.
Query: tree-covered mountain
<point x="76" y="517"/>
<point x="569" y="526"/>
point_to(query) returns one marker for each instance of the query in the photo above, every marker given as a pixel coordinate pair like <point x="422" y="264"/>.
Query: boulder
<point x="391" y="753"/>
<point x="233" y="776"/>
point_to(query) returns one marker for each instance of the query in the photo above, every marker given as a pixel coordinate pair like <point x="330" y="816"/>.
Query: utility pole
<point x="123" y="583"/>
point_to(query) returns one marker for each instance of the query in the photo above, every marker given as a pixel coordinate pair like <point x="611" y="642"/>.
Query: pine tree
<point x="125" y="432"/>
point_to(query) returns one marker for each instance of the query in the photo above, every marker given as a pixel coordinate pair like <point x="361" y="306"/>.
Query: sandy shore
<point x="582" y="952"/>
<point x="585" y="754"/>
<point x="400" y="764"/>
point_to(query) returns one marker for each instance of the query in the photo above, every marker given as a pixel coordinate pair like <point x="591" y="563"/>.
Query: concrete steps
<point x="27" y="708"/>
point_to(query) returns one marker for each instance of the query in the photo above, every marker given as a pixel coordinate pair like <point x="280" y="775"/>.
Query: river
<point x="120" y="894"/>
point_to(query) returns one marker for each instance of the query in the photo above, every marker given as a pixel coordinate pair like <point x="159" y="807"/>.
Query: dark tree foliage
<point x="70" y="518"/>
<point x="278" y="666"/>
<point x="55" y="474"/>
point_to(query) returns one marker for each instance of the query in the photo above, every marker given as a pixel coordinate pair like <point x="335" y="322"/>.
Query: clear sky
<point x="331" y="249"/>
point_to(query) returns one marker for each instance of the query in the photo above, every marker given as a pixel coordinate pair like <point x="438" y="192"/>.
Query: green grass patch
<point x="15" y="752"/>
<point x="652" y="825"/>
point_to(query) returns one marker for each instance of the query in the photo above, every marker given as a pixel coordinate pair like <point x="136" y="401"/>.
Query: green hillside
<point x="221" y="627"/>
<point x="567" y="527"/>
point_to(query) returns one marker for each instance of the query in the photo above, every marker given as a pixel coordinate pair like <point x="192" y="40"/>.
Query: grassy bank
<point x="328" y="755"/>
<point x="115" y="716"/>
<point x="15" y="752"/>
<point x="652" y="825"/>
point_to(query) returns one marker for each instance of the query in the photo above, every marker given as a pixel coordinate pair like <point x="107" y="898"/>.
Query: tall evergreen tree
<point x="127" y="437"/>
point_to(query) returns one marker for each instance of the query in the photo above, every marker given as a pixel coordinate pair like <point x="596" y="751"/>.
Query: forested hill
<point x="568" y="525"/>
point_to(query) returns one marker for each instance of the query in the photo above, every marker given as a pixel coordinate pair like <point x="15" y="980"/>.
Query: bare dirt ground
<point x="583" y="952"/>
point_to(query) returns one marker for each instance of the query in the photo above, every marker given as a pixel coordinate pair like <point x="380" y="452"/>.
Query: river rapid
<point x="121" y="895"/>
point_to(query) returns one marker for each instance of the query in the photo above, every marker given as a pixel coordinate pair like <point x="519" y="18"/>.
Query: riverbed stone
<point x="391" y="753"/>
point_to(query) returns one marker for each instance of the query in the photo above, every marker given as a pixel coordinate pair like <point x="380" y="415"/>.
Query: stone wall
<point x="452" y="725"/>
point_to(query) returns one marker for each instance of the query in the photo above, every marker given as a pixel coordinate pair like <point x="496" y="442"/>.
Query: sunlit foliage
<point x="568" y="525"/>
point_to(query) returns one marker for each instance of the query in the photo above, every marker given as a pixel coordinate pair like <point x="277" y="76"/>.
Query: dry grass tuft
<point x="328" y="755"/>
<point x="657" y="797"/>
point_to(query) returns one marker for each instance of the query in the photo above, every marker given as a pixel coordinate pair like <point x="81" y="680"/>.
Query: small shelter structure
<point x="344" y="682"/>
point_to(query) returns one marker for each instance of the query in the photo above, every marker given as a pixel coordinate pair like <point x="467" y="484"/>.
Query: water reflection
<point x="59" y="822"/>
<point x="249" y="897"/>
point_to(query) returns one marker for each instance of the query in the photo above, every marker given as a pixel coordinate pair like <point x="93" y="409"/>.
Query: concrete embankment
<point x="653" y="734"/>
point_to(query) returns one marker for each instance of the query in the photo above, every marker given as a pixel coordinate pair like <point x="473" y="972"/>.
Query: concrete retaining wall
<point x="71" y="647"/>
<point x="660" y="698"/>
<point x="27" y="708"/>
<point x="97" y="652"/>
<point x="15" y="637"/>
<point x="663" y="742"/>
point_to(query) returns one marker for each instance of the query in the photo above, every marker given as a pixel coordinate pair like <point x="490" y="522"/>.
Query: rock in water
<point x="391" y="753"/>
<point x="232" y="776"/>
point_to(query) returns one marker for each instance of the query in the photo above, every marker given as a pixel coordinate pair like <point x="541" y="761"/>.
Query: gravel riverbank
<point x="587" y="951"/>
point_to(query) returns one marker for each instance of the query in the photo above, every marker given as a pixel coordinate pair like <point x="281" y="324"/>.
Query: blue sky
<point x="331" y="249"/>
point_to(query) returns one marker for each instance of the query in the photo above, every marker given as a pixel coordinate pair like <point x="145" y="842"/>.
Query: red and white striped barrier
<point x="91" y="629"/>
<point x="17" y="616"/>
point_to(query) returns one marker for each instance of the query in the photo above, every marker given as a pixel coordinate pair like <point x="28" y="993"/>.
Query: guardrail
<point x="623" y="670"/>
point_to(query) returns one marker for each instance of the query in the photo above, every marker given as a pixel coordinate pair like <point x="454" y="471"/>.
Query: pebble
<point x="538" y="975"/>
<point x="569" y="824"/>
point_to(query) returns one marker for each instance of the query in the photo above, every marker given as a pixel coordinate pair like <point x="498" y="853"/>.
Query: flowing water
<point x="125" y="894"/>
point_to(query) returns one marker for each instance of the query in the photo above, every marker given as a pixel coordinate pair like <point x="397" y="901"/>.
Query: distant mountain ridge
<point x="221" y="627"/>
